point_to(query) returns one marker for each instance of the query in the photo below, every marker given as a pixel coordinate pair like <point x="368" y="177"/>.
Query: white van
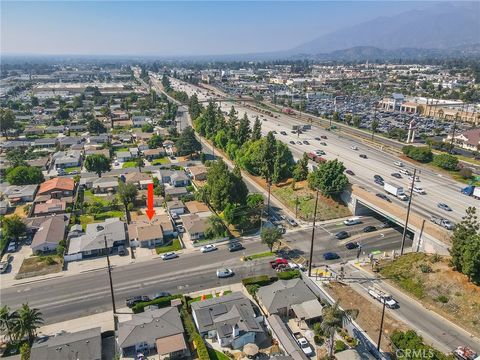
<point x="352" y="221"/>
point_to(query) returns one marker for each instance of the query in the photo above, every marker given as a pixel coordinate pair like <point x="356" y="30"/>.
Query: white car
<point x="352" y="221"/>
<point x="224" y="273"/>
<point x="418" y="190"/>
<point x="168" y="256"/>
<point x="417" y="179"/>
<point x="319" y="152"/>
<point x="307" y="350"/>
<point x="208" y="248"/>
<point x="398" y="163"/>
<point x="295" y="266"/>
<point x="354" y="148"/>
<point x="404" y="172"/>
<point x="180" y="229"/>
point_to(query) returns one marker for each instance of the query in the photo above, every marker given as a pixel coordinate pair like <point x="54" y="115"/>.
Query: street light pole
<point x="381" y="326"/>
<point x="111" y="283"/>
<point x="408" y="212"/>
<point x="313" y="237"/>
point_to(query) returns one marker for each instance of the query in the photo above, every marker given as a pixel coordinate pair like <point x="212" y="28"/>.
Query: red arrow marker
<point x="150" y="211"/>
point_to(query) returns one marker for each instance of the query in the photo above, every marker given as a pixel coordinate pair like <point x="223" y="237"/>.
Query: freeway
<point x="75" y="295"/>
<point x="438" y="188"/>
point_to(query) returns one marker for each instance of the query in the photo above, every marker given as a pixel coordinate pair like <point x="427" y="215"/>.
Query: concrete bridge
<point x="427" y="236"/>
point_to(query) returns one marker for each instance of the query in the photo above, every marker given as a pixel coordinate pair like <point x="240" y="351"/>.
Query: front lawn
<point x="327" y="208"/>
<point x="161" y="161"/>
<point x="71" y="169"/>
<point x="40" y="265"/>
<point x="174" y="246"/>
<point x="129" y="164"/>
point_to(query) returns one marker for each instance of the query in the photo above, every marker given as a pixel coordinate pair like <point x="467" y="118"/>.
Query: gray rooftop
<point x="93" y="239"/>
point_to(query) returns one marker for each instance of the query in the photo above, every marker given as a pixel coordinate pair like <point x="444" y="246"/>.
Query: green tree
<point x="270" y="236"/>
<point x="418" y="350"/>
<point x="194" y="107"/>
<point x="336" y="116"/>
<point x="155" y="142"/>
<point x="7" y="121"/>
<point x="232" y="125"/>
<point x="471" y="259"/>
<point x="127" y="193"/>
<point x="300" y="172"/>
<point x="97" y="163"/>
<point x="29" y="320"/>
<point x="25" y="351"/>
<point x="332" y="321"/>
<point x="147" y="128"/>
<point x="187" y="143"/>
<point x="257" y="129"/>
<point x="24" y="175"/>
<point x="374" y="127"/>
<point x="446" y="161"/>
<point x="267" y="157"/>
<point x="356" y="121"/>
<point x="8" y="322"/>
<point x="243" y="132"/>
<point x="16" y="157"/>
<point x="329" y="178"/>
<point x="13" y="227"/>
<point x="96" y="126"/>
<point x="421" y="153"/>
<point x="34" y="101"/>
<point x="139" y="163"/>
<point x="215" y="228"/>
<point x="255" y="200"/>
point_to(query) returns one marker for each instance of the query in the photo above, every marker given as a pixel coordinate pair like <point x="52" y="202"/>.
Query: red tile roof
<point x="61" y="184"/>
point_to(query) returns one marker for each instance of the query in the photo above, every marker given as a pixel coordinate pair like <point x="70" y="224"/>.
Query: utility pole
<point x="268" y="198"/>
<point x="381" y="326"/>
<point x="408" y="212"/>
<point x="453" y="132"/>
<point x="111" y="283"/>
<point x="313" y="237"/>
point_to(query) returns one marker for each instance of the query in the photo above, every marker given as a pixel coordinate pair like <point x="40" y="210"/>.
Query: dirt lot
<point x="40" y="265"/>
<point x="369" y="314"/>
<point x="430" y="279"/>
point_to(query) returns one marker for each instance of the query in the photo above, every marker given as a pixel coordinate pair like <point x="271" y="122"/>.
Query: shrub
<point x="466" y="173"/>
<point x="422" y="153"/>
<point x="446" y="161"/>
<point x="260" y="280"/>
<point x="288" y="274"/>
<point x="442" y="299"/>
<point x="340" y="346"/>
<point x="425" y="268"/>
<point x="161" y="303"/>
<point x="252" y="289"/>
<point x="193" y="335"/>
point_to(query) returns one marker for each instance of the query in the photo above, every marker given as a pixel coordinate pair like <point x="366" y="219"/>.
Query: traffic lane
<point x="78" y="305"/>
<point x="127" y="275"/>
<point x="445" y="336"/>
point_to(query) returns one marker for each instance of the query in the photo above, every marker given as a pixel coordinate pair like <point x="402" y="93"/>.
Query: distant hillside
<point x="441" y="26"/>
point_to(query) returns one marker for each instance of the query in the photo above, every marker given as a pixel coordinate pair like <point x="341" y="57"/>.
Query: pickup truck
<point x="383" y="297"/>
<point x="442" y="222"/>
<point x="303" y="343"/>
<point x="464" y="353"/>
<point x="278" y="262"/>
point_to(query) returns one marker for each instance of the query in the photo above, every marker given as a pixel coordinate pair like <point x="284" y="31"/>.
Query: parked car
<point x="224" y="273"/>
<point x="122" y="251"/>
<point x="305" y="346"/>
<point x="352" y="245"/>
<point x="292" y="222"/>
<point x="363" y="156"/>
<point x="293" y="265"/>
<point x="342" y="235"/>
<point x="444" y="206"/>
<point x="208" y="248"/>
<point x="369" y="228"/>
<point x="330" y="256"/>
<point x="131" y="302"/>
<point x="235" y="246"/>
<point x="278" y="262"/>
<point x="168" y="255"/>
<point x="4" y="267"/>
<point x="12" y="247"/>
<point x="180" y="229"/>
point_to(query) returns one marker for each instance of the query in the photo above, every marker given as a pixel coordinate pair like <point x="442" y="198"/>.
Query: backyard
<point x="430" y="279"/>
<point x="304" y="199"/>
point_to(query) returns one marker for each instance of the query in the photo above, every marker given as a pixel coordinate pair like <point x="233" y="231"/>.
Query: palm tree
<point x="29" y="320"/>
<point x="8" y="321"/>
<point x="332" y="321"/>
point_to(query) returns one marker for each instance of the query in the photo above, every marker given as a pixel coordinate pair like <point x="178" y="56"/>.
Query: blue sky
<point x="177" y="28"/>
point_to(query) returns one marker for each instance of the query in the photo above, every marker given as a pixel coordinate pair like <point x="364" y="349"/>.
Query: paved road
<point x="438" y="187"/>
<point x="443" y="335"/>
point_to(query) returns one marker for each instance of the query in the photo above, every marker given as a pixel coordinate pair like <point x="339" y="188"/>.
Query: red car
<point x="277" y="262"/>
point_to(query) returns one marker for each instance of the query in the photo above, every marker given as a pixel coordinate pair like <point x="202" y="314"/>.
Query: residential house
<point x="179" y="179"/>
<point x="124" y="156"/>
<point x="151" y="154"/>
<point x="49" y="234"/>
<point x="199" y="208"/>
<point x="40" y="163"/>
<point x="140" y="120"/>
<point x="176" y="207"/>
<point x="98" y="139"/>
<point x="469" y="139"/>
<point x="230" y="319"/>
<point x="164" y="175"/>
<point x="66" y="159"/>
<point x="51" y="206"/>
<point x="195" y="226"/>
<point x="80" y="345"/>
<point x="92" y="243"/>
<point x="141" y="180"/>
<point x="163" y="220"/>
<point x="176" y="192"/>
<point x="34" y="130"/>
<point x="18" y="193"/>
<point x="104" y="185"/>
<point x="198" y="172"/>
<point x="154" y="330"/>
<point x="283" y="296"/>
<point x="57" y="187"/>
<point x="104" y="152"/>
<point x="59" y="129"/>
<point x="14" y="144"/>
<point x="44" y="143"/>
<point x="147" y="235"/>
<point x="285" y="340"/>
<point x="69" y="141"/>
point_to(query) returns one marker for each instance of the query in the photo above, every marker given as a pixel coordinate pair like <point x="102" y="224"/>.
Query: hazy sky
<point x="177" y="28"/>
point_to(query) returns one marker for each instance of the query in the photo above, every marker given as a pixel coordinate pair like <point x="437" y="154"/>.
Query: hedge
<point x="288" y="274"/>
<point x="161" y="303"/>
<point x="193" y="335"/>
<point x="260" y="280"/>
